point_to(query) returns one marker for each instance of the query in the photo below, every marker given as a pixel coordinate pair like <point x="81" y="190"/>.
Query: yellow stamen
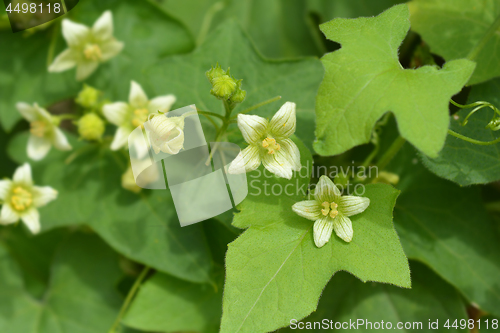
<point x="92" y="52"/>
<point x="140" y="117"/>
<point x="330" y="209"/>
<point x="327" y="208"/>
<point x="22" y="199"/>
<point x="38" y="128"/>
<point x="271" y="145"/>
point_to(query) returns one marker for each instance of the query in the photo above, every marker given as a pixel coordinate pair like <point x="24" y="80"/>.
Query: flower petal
<point x="322" y="231"/>
<point x="84" y="69"/>
<point x="74" y="33"/>
<point x="351" y="205"/>
<point x="116" y="112"/>
<point x="8" y="215"/>
<point x="64" y="61"/>
<point x="161" y="103"/>
<point x="42" y="195"/>
<point x="103" y="26"/>
<point x="60" y="141"/>
<point x="23" y="175"/>
<point x="32" y="220"/>
<point x="27" y="111"/>
<point x="310" y="209"/>
<point x="38" y="147"/>
<point x="41" y="112"/>
<point x="121" y="138"/>
<point x="252" y="127"/>
<point x="326" y="190"/>
<point x="343" y="227"/>
<point x="291" y="151"/>
<point x="283" y="123"/>
<point x="278" y="164"/>
<point x="137" y="97"/>
<point x="5" y="186"/>
<point x="110" y="49"/>
<point x="247" y="160"/>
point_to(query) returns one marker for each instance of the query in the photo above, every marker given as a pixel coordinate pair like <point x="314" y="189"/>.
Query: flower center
<point x="38" y="128"/>
<point x="329" y="209"/>
<point x="21" y="199"/>
<point x="92" y="52"/>
<point x="140" y="117"/>
<point x="271" y="145"/>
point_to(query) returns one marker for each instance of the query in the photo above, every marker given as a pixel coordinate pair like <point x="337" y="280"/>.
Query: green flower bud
<point x="88" y="97"/>
<point x="215" y="73"/>
<point x="239" y="95"/>
<point x="387" y="178"/>
<point x="128" y="181"/>
<point x="90" y="127"/>
<point x="223" y="87"/>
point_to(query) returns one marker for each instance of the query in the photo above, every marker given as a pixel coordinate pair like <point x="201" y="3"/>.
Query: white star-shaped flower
<point x="44" y="131"/>
<point x="87" y="47"/>
<point x="132" y="115"/>
<point x="21" y="199"/>
<point x="269" y="143"/>
<point x="330" y="211"/>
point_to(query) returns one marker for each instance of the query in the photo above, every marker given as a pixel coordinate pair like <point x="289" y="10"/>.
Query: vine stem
<point x="129" y="298"/>
<point x="256" y="106"/>
<point x="484" y="40"/>
<point x="477" y="142"/>
<point x="391" y="152"/>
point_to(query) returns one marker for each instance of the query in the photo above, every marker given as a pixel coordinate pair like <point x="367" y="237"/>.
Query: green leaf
<point x="143" y="227"/>
<point x="279" y="28"/>
<point x="346" y="299"/>
<point x="457" y="29"/>
<point x="167" y="304"/>
<point x="23" y="70"/>
<point x="463" y="162"/>
<point x="294" y="80"/>
<point x="81" y="297"/>
<point x="349" y="8"/>
<point x="275" y="272"/>
<point x="364" y="80"/>
<point x="447" y="228"/>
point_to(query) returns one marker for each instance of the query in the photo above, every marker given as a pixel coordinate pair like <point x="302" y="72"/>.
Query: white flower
<point x="269" y="143"/>
<point x="330" y="211"/>
<point x="166" y="133"/>
<point x="87" y="47"/>
<point x="21" y="199"/>
<point x="129" y="116"/>
<point x="44" y="131"/>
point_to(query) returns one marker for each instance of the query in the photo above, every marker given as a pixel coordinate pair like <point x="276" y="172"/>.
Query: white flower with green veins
<point x="330" y="211"/>
<point x="87" y="47"/>
<point x="132" y="115"/>
<point x="44" y="131"/>
<point x="21" y="199"/>
<point x="269" y="143"/>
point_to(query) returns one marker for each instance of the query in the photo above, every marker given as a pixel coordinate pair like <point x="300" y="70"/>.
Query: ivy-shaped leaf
<point x="141" y="226"/>
<point x="447" y="227"/>
<point x="364" y="79"/>
<point x="457" y="29"/>
<point x="466" y="163"/>
<point x="293" y="80"/>
<point x="275" y="272"/>
<point x="429" y="299"/>
<point x="81" y="297"/>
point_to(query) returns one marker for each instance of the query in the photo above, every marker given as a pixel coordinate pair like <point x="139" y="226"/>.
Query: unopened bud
<point x="223" y="87"/>
<point x="91" y="127"/>
<point x="239" y="95"/>
<point x="128" y="181"/>
<point x="88" y="97"/>
<point x="215" y="72"/>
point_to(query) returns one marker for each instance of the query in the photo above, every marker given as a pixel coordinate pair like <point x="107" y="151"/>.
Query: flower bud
<point x="90" y="127"/>
<point x="223" y="87"/>
<point x="387" y="178"/>
<point x="88" y="97"/>
<point x="239" y="95"/>
<point x="128" y="181"/>
<point x="215" y="72"/>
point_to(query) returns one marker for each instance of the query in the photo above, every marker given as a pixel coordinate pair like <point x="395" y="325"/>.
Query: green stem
<point x="372" y="155"/>
<point x="274" y="99"/>
<point x="486" y="37"/>
<point x="53" y="43"/>
<point x="477" y="142"/>
<point x="64" y="6"/>
<point x="208" y="113"/>
<point x="129" y="298"/>
<point x="391" y="152"/>
<point x="222" y="130"/>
